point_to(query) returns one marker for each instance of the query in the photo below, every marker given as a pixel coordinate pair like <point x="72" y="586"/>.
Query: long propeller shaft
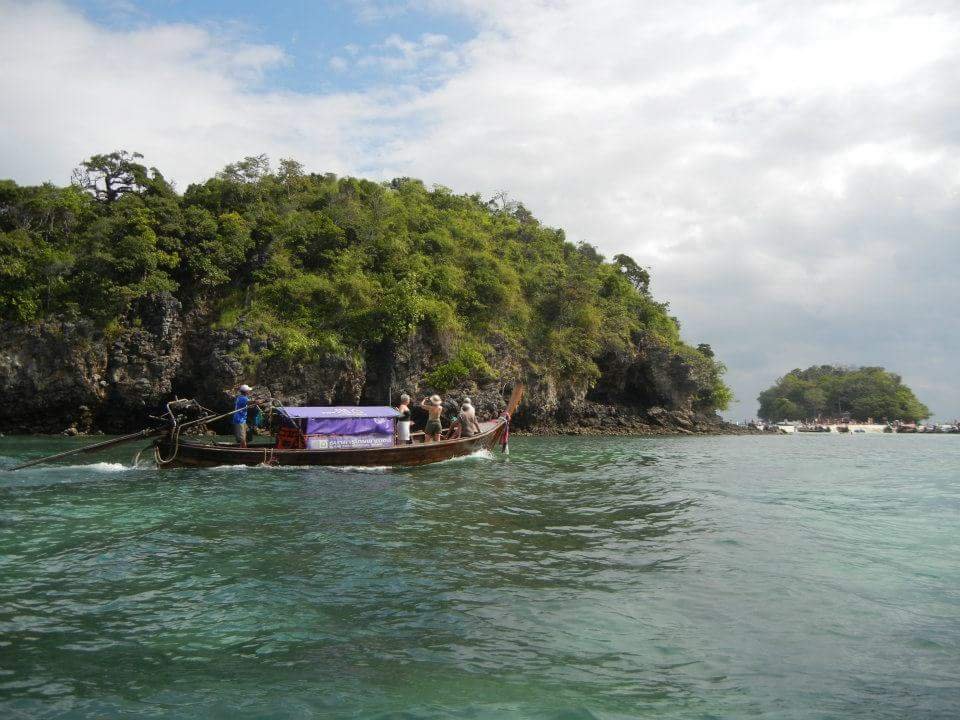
<point x="96" y="447"/>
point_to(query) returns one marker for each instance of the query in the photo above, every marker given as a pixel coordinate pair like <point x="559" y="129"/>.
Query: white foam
<point x="359" y="468"/>
<point x="111" y="467"/>
<point x="103" y="467"/>
<point x="483" y="454"/>
<point x="293" y="468"/>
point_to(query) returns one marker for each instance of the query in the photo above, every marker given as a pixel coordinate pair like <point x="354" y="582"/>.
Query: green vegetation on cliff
<point x="327" y="266"/>
<point x="827" y="391"/>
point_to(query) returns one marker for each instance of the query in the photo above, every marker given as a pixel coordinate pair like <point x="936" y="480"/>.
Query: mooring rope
<point x="268" y="458"/>
<point x="175" y="436"/>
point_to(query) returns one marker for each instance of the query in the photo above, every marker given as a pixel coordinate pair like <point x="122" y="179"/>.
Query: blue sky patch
<point x="329" y="46"/>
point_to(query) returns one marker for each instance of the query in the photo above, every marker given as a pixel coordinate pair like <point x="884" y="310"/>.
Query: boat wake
<point x="299" y="468"/>
<point x="373" y="469"/>
<point x="106" y="467"/>
<point x="98" y="467"/>
<point x="483" y="454"/>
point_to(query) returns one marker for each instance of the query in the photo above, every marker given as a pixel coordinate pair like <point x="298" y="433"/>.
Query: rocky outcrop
<point x="602" y="419"/>
<point x="63" y="375"/>
<point x="141" y="364"/>
<point x="71" y="376"/>
<point x="652" y="375"/>
<point x="51" y="377"/>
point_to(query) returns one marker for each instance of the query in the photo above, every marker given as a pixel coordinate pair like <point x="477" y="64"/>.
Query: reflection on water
<point x="667" y="577"/>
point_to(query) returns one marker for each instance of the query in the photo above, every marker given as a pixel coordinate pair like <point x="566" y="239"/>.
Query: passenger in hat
<point x="468" y="419"/>
<point x="240" y="415"/>
<point x="434" y="407"/>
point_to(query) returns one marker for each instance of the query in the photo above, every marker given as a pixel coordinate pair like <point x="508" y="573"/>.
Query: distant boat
<point x="872" y="428"/>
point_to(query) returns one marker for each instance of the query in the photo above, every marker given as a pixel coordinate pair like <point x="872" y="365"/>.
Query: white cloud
<point x="791" y="174"/>
<point x="791" y="171"/>
<point x="188" y="100"/>
<point x="432" y="56"/>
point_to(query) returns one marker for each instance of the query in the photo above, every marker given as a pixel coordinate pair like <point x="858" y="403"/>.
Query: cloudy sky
<point x="790" y="171"/>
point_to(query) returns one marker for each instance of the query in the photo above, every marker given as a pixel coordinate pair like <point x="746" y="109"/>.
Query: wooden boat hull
<point x="188" y="453"/>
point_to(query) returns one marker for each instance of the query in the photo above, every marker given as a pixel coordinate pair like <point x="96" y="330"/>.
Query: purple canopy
<point x="343" y="411"/>
<point x="344" y="420"/>
<point x="349" y="426"/>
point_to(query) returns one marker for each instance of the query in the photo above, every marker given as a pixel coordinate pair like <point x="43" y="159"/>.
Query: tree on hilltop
<point x="639" y="277"/>
<point x="110" y="176"/>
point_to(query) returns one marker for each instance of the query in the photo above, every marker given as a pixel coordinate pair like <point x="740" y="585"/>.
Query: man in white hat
<point x="434" y="406"/>
<point x="468" y="418"/>
<point x="240" y="415"/>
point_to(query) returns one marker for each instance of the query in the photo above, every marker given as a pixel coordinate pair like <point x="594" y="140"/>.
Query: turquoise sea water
<point x="720" y="577"/>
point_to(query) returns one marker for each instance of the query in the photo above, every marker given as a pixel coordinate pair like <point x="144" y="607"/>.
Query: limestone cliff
<point x="57" y="375"/>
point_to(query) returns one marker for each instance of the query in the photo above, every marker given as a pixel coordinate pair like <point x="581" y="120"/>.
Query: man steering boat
<point x="240" y="415"/>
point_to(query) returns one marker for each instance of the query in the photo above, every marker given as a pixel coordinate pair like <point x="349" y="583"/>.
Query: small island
<point x="828" y="394"/>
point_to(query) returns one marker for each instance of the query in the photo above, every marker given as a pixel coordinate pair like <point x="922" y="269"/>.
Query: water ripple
<point x="608" y="578"/>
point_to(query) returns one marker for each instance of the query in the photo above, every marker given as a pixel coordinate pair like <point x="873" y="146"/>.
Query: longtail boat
<point x="372" y="443"/>
<point x="344" y="449"/>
